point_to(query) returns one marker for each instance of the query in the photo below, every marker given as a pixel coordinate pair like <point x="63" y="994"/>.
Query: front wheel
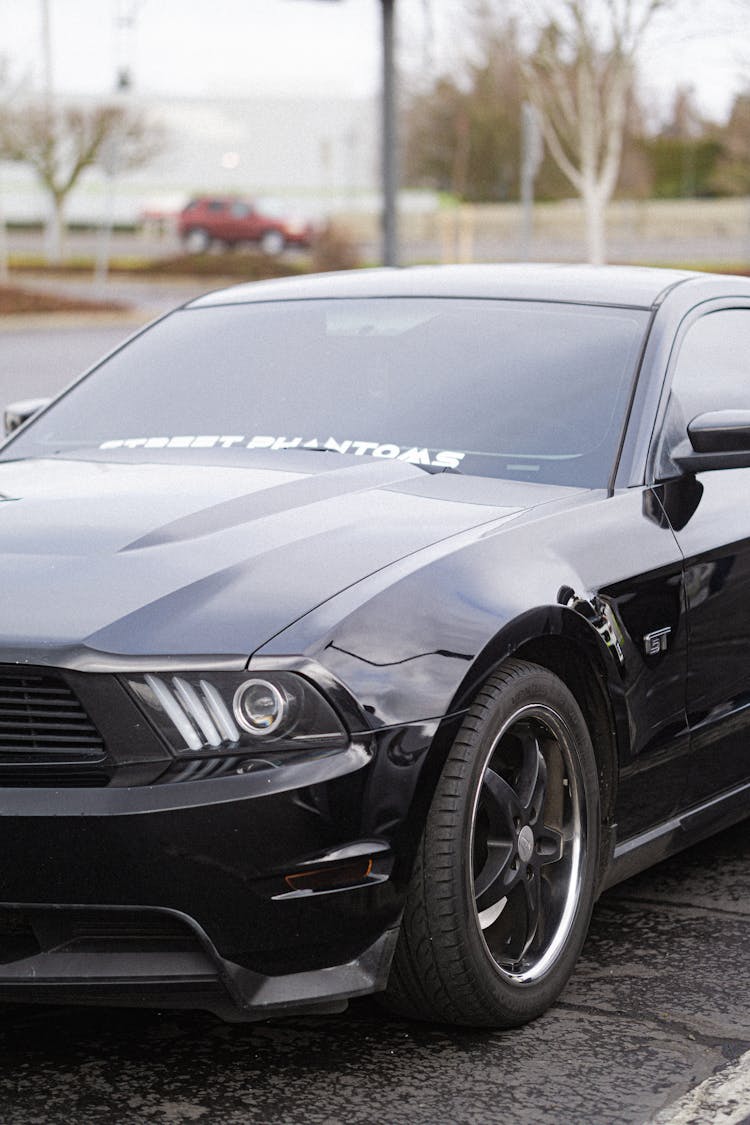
<point x="272" y="242"/>
<point x="197" y="240"/>
<point x="503" y="886"/>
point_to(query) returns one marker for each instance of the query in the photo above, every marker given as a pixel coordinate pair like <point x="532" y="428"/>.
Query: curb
<point x="723" y="1098"/>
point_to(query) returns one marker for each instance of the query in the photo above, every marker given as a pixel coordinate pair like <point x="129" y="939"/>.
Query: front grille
<point x="46" y="737"/>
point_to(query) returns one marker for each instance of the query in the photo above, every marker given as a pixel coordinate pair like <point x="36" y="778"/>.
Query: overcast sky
<point x="309" y="47"/>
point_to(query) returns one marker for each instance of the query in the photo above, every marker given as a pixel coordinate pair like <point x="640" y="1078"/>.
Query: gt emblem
<point x="656" y="642"/>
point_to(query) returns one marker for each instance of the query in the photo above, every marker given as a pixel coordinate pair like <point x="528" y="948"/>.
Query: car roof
<point x="632" y="286"/>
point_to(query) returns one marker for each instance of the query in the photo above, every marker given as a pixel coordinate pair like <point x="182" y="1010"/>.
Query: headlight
<point x="234" y="711"/>
<point x="260" y="707"/>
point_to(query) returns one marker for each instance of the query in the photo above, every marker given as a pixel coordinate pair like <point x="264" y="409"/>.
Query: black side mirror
<point x="717" y="440"/>
<point x="16" y="413"/>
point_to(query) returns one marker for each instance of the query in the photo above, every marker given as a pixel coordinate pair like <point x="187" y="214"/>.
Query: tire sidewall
<point x="532" y="686"/>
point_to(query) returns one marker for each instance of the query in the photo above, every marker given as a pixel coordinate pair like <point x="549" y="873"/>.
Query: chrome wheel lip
<point x="575" y="848"/>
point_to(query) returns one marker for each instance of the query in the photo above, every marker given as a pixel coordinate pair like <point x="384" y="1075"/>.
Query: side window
<point x="713" y="366"/>
<point x="712" y="372"/>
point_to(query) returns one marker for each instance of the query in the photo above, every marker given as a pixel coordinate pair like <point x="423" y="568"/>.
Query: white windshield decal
<point x="413" y="455"/>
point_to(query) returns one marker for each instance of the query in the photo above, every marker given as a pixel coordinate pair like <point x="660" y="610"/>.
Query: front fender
<point x="563" y="621"/>
<point x="420" y="648"/>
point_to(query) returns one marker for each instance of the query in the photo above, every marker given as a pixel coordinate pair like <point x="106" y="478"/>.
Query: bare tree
<point x="59" y="144"/>
<point x="579" y="78"/>
<point x="463" y="130"/>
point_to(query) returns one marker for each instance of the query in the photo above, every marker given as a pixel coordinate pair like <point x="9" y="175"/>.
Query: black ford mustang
<point x="357" y="631"/>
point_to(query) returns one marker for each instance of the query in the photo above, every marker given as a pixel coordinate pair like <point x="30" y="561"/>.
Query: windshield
<point x="525" y="390"/>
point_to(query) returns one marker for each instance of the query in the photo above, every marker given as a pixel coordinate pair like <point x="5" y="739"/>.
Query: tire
<point x="272" y="242"/>
<point x="501" y="894"/>
<point x="197" y="240"/>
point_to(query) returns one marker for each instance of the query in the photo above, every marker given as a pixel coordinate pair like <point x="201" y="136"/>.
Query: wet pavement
<point x="658" y="1003"/>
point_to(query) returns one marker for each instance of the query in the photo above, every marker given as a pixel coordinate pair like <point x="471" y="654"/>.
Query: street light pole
<point x="389" y="141"/>
<point x="46" y="53"/>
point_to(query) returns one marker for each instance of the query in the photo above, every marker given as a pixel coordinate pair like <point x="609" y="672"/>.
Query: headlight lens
<point x="232" y="712"/>
<point x="259" y="707"/>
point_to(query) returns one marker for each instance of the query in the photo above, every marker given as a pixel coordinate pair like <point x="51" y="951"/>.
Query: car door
<point x="710" y="370"/>
<point x="240" y="226"/>
<point x="219" y="219"/>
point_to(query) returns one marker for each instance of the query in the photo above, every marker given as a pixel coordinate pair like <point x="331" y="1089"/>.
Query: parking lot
<point x="657" y="1005"/>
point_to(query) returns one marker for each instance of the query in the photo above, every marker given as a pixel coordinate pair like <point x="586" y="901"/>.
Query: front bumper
<point x="148" y="958"/>
<point x="177" y="894"/>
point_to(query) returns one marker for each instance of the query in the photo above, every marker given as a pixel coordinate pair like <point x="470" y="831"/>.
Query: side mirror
<point x="16" y="413"/>
<point x="717" y="440"/>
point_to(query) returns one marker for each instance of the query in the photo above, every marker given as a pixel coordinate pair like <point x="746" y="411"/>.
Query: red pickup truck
<point x="229" y="221"/>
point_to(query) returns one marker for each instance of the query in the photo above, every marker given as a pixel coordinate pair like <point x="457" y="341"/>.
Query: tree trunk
<point x="55" y="231"/>
<point x="594" y="214"/>
<point x="3" y="249"/>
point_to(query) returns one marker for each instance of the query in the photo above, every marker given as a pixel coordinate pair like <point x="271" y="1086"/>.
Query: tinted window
<point x="713" y="366"/>
<point x="512" y="389"/>
<point x="711" y="372"/>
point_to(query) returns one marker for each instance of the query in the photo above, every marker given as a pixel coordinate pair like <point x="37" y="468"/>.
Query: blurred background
<point x="144" y="140"/>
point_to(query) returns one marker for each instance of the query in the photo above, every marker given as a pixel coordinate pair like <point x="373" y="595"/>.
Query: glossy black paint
<point x="720" y="431"/>
<point x="716" y="544"/>
<point x="397" y="592"/>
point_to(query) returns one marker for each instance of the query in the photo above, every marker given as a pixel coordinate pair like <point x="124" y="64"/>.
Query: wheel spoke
<point x="550" y="845"/>
<point x="532" y="779"/>
<point x="533" y="899"/>
<point x="501" y="804"/>
<point x="524" y="918"/>
<point x="495" y="846"/>
<point x="490" y="915"/>
<point x="519" y="922"/>
<point x="496" y="876"/>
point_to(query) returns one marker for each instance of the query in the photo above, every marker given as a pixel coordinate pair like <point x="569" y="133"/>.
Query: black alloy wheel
<point x="503" y="885"/>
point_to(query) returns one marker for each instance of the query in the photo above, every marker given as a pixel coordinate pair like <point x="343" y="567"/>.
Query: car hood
<point x="184" y="559"/>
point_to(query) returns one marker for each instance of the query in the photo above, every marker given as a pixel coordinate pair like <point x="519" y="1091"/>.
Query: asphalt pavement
<point x="41" y="354"/>
<point x="39" y="362"/>
<point x="658" y="1004"/>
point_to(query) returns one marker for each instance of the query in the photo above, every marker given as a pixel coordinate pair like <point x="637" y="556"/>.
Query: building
<point x="311" y="156"/>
